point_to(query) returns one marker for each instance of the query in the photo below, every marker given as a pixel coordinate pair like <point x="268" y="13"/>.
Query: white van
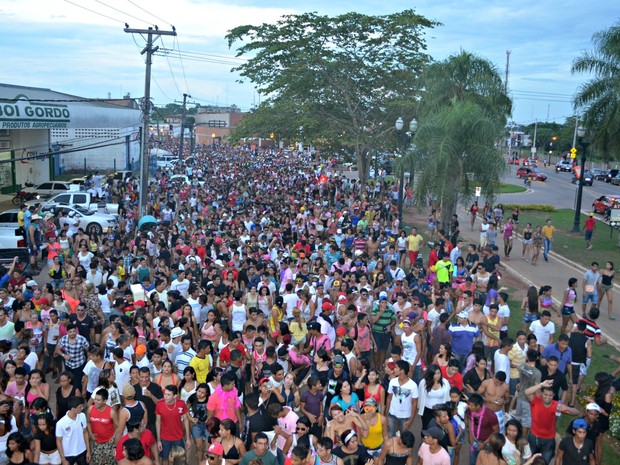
<point x="166" y="161"/>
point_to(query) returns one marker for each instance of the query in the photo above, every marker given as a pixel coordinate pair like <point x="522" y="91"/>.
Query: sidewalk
<point x="555" y="273"/>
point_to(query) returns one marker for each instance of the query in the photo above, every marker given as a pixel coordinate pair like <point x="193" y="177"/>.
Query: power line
<point x="123" y="12"/>
<point x="171" y="72"/>
<point x="176" y="41"/>
<point x="148" y="12"/>
<point x="97" y="13"/>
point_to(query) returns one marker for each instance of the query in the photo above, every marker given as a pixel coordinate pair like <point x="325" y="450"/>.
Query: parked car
<point x="598" y="175"/>
<point x="82" y="199"/>
<point x="10" y="237"/>
<point x="531" y="162"/>
<point x="564" y="165"/>
<point x="186" y="180"/>
<point x="606" y="202"/>
<point x="588" y="179"/>
<point x="611" y="174"/>
<point x="535" y="173"/>
<point x="47" y="189"/>
<point x="615" y="180"/>
<point x="120" y="175"/>
<point x="514" y="161"/>
<point x="91" y="222"/>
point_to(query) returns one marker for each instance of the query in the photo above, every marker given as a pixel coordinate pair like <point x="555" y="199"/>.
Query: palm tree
<point x="461" y="118"/>
<point x="600" y="96"/>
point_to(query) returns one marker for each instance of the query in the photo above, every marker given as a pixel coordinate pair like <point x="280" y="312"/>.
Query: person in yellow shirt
<point x="414" y="244"/>
<point x="201" y="361"/>
<point x="548" y="231"/>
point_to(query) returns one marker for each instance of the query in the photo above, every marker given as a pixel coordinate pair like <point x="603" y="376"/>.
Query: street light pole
<point x="584" y="146"/>
<point x="405" y="138"/>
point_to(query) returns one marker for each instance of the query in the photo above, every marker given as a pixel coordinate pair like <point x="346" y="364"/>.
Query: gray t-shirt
<point x="591" y="278"/>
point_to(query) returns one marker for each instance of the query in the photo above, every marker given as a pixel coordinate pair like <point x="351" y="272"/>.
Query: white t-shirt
<point x="410" y="351"/>
<point x="122" y="374"/>
<point x="72" y="434"/>
<point x="501" y="362"/>
<point x="291" y="302"/>
<point x="541" y="332"/>
<point x="402" y="396"/>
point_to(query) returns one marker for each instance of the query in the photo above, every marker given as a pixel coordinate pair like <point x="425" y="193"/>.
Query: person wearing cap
<point x="593" y="427"/>
<point x="382" y="319"/>
<point x="463" y="336"/>
<point x="133" y="411"/>
<point x="544" y="410"/>
<point x="102" y="422"/>
<point x="377" y="427"/>
<point x="576" y="448"/>
<point x="214" y="454"/>
<point x="430" y="452"/>
<point x="33" y="235"/>
<point x="325" y="319"/>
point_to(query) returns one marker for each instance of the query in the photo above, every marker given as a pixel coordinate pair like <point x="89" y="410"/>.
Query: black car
<point x="599" y="175"/>
<point x="588" y="179"/>
<point x="611" y="174"/>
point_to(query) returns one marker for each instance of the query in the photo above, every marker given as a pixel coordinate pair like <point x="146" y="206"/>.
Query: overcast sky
<point x="58" y="45"/>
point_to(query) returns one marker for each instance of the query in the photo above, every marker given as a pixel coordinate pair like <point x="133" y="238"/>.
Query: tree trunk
<point x="362" y="167"/>
<point x="449" y="203"/>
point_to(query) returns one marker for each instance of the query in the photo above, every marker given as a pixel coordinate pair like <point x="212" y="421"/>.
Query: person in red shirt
<point x="451" y="373"/>
<point x="149" y="444"/>
<point x="102" y="422"/>
<point x="171" y="421"/>
<point x="544" y="410"/>
<point x="590" y="224"/>
<point x="235" y="342"/>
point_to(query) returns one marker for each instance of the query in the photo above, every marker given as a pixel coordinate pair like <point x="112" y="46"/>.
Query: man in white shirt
<point x="402" y="399"/>
<point x="501" y="361"/>
<point x="72" y="438"/>
<point x="180" y="284"/>
<point x="185" y="356"/>
<point x="122" y="368"/>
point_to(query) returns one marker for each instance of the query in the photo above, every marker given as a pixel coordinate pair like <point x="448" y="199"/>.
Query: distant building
<point x="44" y="133"/>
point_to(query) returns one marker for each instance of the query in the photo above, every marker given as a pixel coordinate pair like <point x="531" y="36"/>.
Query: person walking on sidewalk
<point x="548" y="231"/>
<point x="589" y="226"/>
<point x="607" y="287"/>
<point x="591" y="287"/>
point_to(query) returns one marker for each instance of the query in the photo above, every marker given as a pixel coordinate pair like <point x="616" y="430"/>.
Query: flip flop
<point x="612" y="317"/>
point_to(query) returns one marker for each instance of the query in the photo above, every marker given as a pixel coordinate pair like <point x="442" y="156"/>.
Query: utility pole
<point x="507" y="71"/>
<point x="146" y="108"/>
<point x="183" y="116"/>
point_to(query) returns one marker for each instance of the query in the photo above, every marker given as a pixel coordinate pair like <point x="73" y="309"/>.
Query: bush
<point x="530" y="208"/>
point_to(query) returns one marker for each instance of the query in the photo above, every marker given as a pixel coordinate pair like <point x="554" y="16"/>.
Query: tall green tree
<point x="461" y="119"/>
<point x="354" y="72"/>
<point x="600" y="96"/>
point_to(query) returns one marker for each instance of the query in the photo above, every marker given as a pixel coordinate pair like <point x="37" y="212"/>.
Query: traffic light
<point x="573" y="152"/>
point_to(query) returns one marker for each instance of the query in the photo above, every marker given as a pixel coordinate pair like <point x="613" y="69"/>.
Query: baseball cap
<point x="327" y="305"/>
<point x="593" y="406"/>
<point x="31" y="283"/>
<point x="433" y="432"/>
<point x="44" y="301"/>
<point x="63" y="315"/>
<point x="383" y="295"/>
<point x="128" y="391"/>
<point x="341" y="331"/>
<point x="342" y="298"/>
<point x="263" y="380"/>
<point x="463" y="314"/>
<point x="141" y="349"/>
<point x="216" y="448"/>
<point x="580" y="423"/>
<point x="139" y="303"/>
<point x="371" y="401"/>
<point x="338" y="360"/>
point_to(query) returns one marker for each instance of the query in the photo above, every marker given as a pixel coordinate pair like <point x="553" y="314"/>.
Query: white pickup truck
<point x="83" y="199"/>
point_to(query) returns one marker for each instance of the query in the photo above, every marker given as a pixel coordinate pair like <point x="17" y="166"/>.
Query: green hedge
<point x="532" y="208"/>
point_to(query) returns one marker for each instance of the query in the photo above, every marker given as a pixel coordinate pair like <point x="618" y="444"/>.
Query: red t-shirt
<point x="455" y="381"/>
<point x="225" y="354"/>
<point x="543" y="418"/>
<point x="102" y="425"/>
<point x="146" y="439"/>
<point x="171" y="424"/>
<point x="590" y="223"/>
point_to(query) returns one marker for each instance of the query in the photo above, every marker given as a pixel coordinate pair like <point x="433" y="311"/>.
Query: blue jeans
<point x="547" y="248"/>
<point x="546" y="447"/>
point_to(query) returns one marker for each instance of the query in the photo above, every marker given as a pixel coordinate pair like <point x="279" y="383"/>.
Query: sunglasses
<point x="301" y="429"/>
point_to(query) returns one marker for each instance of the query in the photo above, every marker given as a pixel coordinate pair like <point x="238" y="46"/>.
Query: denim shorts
<point x="568" y="311"/>
<point x="199" y="430"/>
<point x="166" y="447"/>
<point x="591" y="297"/>
<point x="530" y="317"/>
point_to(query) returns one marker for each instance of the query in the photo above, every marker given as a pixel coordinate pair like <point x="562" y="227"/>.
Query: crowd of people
<point x="274" y="313"/>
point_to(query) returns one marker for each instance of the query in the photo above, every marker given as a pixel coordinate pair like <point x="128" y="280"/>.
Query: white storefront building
<point x="44" y="134"/>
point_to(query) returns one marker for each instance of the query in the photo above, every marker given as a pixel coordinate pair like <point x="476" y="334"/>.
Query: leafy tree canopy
<point x="353" y="72"/>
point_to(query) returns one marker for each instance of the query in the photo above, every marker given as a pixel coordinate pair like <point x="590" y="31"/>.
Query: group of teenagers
<point x="277" y="314"/>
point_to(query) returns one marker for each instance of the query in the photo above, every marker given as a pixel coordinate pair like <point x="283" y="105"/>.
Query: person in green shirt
<point x="382" y="319"/>
<point x="444" y="269"/>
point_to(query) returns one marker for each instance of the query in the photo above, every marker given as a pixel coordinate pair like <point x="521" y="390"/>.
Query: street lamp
<point x="405" y="138"/>
<point x="581" y="132"/>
